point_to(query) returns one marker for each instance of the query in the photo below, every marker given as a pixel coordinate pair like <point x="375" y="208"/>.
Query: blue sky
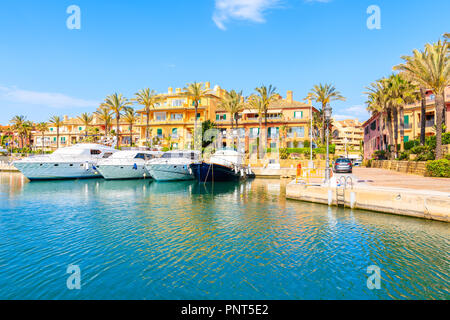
<point x="47" y="69"/>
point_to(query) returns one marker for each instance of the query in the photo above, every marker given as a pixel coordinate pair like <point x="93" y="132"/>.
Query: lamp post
<point x="327" y="113"/>
<point x="311" y="163"/>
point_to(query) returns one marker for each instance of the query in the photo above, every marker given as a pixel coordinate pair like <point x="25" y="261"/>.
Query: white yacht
<point x="126" y="165"/>
<point x="75" y="162"/>
<point x="173" y="165"/>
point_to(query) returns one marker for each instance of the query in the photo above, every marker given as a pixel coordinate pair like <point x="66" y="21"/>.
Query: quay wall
<point x="410" y="167"/>
<point x="413" y="203"/>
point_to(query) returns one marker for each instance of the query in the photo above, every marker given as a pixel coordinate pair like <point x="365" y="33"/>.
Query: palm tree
<point x="18" y="123"/>
<point x="324" y="94"/>
<point x="117" y="103"/>
<point x="255" y="102"/>
<point x="86" y="119"/>
<point x="57" y="122"/>
<point x="195" y="91"/>
<point x="377" y="102"/>
<point x="267" y="95"/>
<point x="447" y="36"/>
<point x="130" y="118"/>
<point x="400" y="93"/>
<point x="233" y="103"/>
<point x="147" y="98"/>
<point x="431" y="69"/>
<point x="104" y="114"/>
<point x="42" y="128"/>
<point x="417" y="55"/>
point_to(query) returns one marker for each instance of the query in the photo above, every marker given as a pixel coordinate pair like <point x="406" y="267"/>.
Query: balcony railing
<point x="429" y="123"/>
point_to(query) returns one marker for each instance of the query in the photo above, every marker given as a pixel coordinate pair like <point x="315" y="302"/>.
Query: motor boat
<point x="224" y="165"/>
<point x="173" y="165"/>
<point x="127" y="165"/>
<point x="74" y="162"/>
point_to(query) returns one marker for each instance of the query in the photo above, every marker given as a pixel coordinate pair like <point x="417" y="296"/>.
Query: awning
<point x="250" y="111"/>
<point x="274" y="111"/>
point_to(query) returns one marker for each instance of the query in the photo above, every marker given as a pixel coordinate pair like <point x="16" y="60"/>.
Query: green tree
<point x="104" y="114"/>
<point x="431" y="69"/>
<point x="147" y="98"/>
<point x="324" y="94"/>
<point x="195" y="91"/>
<point x="86" y="119"/>
<point x="267" y="96"/>
<point x="42" y="127"/>
<point x="117" y="104"/>
<point x="130" y="118"/>
<point x="57" y="122"/>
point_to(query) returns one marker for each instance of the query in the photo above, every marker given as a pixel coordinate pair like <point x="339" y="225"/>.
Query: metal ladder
<point x="340" y="190"/>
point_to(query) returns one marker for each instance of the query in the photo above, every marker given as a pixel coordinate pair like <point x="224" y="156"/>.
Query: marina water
<point x="185" y="240"/>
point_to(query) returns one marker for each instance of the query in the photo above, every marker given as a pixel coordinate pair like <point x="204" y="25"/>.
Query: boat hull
<point x="169" y="172"/>
<point x="122" y="172"/>
<point x="57" y="170"/>
<point x="206" y="172"/>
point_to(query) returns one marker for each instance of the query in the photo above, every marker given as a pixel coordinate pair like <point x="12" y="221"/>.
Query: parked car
<point x="343" y="165"/>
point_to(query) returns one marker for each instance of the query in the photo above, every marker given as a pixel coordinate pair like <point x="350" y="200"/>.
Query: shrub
<point x="284" y="154"/>
<point x="420" y="149"/>
<point x="165" y="149"/>
<point x="411" y="144"/>
<point x="306" y="144"/>
<point x="431" y="141"/>
<point x="380" y="155"/>
<point x="447" y="156"/>
<point x="438" y="168"/>
<point x="404" y="156"/>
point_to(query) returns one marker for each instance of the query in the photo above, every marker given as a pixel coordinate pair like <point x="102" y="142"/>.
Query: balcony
<point x="429" y="123"/>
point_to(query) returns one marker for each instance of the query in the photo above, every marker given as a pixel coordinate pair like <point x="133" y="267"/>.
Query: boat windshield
<point x="187" y="155"/>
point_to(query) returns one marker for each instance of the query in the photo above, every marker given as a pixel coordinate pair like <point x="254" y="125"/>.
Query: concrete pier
<point x="425" y="204"/>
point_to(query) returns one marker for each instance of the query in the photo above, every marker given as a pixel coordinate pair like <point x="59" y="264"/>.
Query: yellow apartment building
<point x="347" y="135"/>
<point x="172" y="120"/>
<point x="72" y="131"/>
<point x="412" y="116"/>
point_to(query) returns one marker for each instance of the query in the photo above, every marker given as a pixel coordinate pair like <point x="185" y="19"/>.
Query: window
<point x="177" y="116"/>
<point x="51" y="129"/>
<point x="159" y="132"/>
<point x="298" y="115"/>
<point x="95" y="152"/>
<point x="366" y="130"/>
<point x="178" y="102"/>
<point x="140" y="156"/>
<point x="406" y="120"/>
<point x="221" y="117"/>
<point x="406" y="139"/>
<point x="80" y="128"/>
<point x="174" y="133"/>
<point x="273" y="132"/>
<point x="299" y="131"/>
<point x="198" y="115"/>
<point x="373" y="126"/>
<point x="160" y="116"/>
<point x="254" y="132"/>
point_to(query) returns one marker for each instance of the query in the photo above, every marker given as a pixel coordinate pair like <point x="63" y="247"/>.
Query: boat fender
<point x="190" y="171"/>
<point x="242" y="172"/>
<point x="86" y="166"/>
<point x="135" y="167"/>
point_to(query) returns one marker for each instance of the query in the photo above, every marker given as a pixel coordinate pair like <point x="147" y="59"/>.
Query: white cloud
<point x="53" y="100"/>
<point x="252" y="10"/>
<point x="355" y="112"/>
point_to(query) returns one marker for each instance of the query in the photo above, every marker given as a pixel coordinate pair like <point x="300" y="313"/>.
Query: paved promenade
<point x="387" y="178"/>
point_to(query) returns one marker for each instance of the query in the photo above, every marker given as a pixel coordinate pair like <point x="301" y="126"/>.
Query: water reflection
<point x="187" y="240"/>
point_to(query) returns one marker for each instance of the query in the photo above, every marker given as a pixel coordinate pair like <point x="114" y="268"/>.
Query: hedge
<point x="438" y="168"/>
